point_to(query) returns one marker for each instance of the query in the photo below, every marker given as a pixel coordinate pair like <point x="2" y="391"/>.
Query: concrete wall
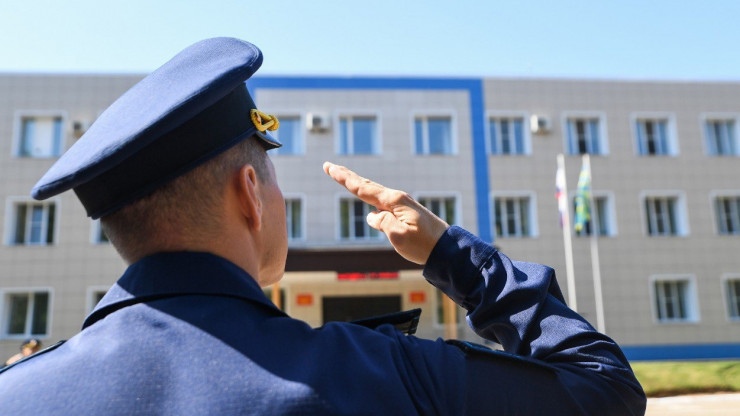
<point x="631" y="257"/>
<point x="73" y="267"/>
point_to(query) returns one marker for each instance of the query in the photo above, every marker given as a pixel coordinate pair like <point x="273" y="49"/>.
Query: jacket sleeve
<point x="553" y="358"/>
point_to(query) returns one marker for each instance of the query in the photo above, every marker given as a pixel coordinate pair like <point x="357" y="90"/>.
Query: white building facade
<point x="478" y="152"/>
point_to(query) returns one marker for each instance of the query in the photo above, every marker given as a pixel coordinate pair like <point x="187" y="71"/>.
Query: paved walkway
<point x="695" y="405"/>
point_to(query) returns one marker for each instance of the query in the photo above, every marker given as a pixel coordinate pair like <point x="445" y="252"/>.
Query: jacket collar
<point x="165" y="275"/>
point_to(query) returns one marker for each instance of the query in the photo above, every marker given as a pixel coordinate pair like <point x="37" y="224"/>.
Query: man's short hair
<point x="191" y="203"/>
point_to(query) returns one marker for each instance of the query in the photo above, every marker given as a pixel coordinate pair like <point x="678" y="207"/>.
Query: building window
<point x="664" y="216"/>
<point x="603" y="213"/>
<point x="674" y="300"/>
<point x="506" y="136"/>
<point x="40" y="136"/>
<point x="26" y="314"/>
<point x="433" y="136"/>
<point x="294" y="218"/>
<point x="98" y="296"/>
<point x="732" y="289"/>
<point x="721" y="137"/>
<point x="289" y="134"/>
<point x="654" y="137"/>
<point x="98" y="236"/>
<point x="352" y="214"/>
<point x="513" y="216"/>
<point x="443" y="207"/>
<point x="727" y="210"/>
<point x="94" y="296"/>
<point x="33" y="223"/>
<point x="584" y="136"/>
<point x="358" y="135"/>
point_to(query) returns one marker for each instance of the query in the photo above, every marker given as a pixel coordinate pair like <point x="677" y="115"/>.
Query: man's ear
<point x="249" y="203"/>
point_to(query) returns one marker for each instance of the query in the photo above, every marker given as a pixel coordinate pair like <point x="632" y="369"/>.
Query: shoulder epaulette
<point x="405" y="321"/>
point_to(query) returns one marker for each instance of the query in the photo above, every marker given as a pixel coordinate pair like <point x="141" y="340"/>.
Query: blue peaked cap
<point x="186" y="112"/>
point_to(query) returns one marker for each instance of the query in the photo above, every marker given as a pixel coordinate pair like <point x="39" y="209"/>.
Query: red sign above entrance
<point x="367" y="276"/>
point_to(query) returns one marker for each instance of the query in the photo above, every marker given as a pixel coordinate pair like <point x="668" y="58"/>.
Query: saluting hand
<point x="411" y="228"/>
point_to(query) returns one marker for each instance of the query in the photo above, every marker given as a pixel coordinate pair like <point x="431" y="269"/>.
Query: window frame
<point x="17" y="136"/>
<point x="704" y="118"/>
<point x="611" y="212"/>
<point x="425" y="115"/>
<point x="4" y="292"/>
<point x="577" y="115"/>
<point x="338" y="198"/>
<point x="693" y="313"/>
<point x="713" y="196"/>
<point x="96" y="231"/>
<point x="11" y="204"/>
<point x="301" y="143"/>
<point x="533" y="219"/>
<point x="378" y="139"/>
<point x="90" y="296"/>
<point x="526" y="130"/>
<point x="724" y="281"/>
<point x="682" y="214"/>
<point x="442" y="194"/>
<point x="671" y="131"/>
<point x="302" y="198"/>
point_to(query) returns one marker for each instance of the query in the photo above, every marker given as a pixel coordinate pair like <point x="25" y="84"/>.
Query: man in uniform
<point x="177" y="171"/>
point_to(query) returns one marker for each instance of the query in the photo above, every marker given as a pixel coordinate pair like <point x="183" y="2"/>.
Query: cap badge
<point x="264" y="121"/>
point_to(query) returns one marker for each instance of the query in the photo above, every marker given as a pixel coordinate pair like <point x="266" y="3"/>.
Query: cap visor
<point x="268" y="140"/>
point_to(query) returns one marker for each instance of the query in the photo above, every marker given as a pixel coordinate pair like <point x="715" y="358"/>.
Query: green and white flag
<point x="583" y="198"/>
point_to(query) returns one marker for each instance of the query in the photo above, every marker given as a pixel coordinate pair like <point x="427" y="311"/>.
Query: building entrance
<point x="349" y="308"/>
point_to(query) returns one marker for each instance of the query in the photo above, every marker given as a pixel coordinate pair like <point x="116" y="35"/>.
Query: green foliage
<point x="687" y="377"/>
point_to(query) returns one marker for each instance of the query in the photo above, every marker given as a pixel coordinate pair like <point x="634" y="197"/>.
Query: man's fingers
<point x="382" y="221"/>
<point x="327" y="167"/>
<point x="412" y="229"/>
<point x="365" y="189"/>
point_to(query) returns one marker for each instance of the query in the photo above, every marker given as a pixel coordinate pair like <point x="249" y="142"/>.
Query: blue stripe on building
<point x="682" y="352"/>
<point x="474" y="88"/>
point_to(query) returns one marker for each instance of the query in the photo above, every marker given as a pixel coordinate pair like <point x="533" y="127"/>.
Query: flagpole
<point x="595" y="266"/>
<point x="569" y="270"/>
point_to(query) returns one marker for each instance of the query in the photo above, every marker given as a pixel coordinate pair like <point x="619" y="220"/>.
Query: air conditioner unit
<point x="539" y="124"/>
<point x="318" y="122"/>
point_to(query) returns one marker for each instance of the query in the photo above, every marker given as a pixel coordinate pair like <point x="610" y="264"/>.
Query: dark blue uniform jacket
<point x="193" y="334"/>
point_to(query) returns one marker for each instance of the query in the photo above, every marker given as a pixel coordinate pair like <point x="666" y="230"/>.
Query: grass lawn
<point x="670" y="378"/>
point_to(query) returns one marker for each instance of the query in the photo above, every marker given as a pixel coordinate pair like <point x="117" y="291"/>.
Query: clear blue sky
<point x="648" y="39"/>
